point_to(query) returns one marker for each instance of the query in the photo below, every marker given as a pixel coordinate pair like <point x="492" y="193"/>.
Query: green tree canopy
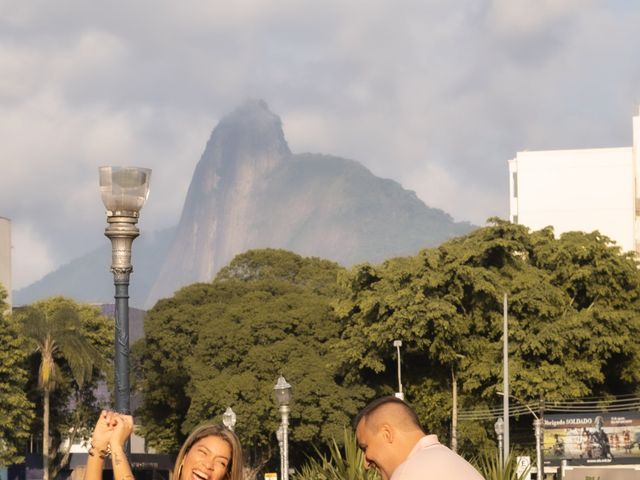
<point x="573" y="318"/>
<point x="224" y="344"/>
<point x="16" y="411"/>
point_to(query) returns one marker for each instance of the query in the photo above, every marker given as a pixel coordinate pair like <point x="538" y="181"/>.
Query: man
<point x="389" y="434"/>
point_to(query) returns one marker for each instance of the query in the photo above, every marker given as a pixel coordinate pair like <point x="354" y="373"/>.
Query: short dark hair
<point x="379" y="402"/>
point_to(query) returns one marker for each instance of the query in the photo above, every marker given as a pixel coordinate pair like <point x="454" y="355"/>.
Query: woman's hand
<point x="103" y="431"/>
<point x="121" y="432"/>
<point x="122" y="428"/>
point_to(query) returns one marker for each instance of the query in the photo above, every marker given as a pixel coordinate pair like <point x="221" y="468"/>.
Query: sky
<point x="435" y="94"/>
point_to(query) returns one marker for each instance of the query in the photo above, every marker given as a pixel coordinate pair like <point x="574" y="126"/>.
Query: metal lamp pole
<point x="283" y="397"/>
<point x="499" y="428"/>
<point x="279" y="436"/>
<point x="229" y="418"/>
<point x="124" y="191"/>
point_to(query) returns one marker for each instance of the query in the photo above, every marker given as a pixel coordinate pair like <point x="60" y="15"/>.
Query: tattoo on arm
<point x="116" y="459"/>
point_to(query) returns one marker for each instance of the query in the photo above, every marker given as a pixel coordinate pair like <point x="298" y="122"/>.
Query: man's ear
<point x="387" y="432"/>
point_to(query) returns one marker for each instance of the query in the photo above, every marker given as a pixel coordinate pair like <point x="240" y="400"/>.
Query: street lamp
<point x="499" y="428"/>
<point x="124" y="191"/>
<point x="537" y="429"/>
<point x="280" y="437"/>
<point x="283" y="397"/>
<point x="229" y="418"/>
<point x="398" y="344"/>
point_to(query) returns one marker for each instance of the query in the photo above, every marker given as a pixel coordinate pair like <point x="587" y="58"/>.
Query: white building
<point x="5" y="257"/>
<point x="586" y="190"/>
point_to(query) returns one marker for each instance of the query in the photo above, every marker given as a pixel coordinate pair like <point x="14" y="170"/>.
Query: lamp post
<point x="537" y="430"/>
<point x="280" y="437"/>
<point x="398" y="344"/>
<point x="499" y="428"/>
<point x="283" y="397"/>
<point x="124" y="191"/>
<point x="229" y="418"/>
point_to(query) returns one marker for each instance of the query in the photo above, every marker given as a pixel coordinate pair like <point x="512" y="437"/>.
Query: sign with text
<point x="595" y="438"/>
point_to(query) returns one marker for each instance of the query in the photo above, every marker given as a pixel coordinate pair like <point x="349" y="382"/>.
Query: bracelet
<point x="101" y="453"/>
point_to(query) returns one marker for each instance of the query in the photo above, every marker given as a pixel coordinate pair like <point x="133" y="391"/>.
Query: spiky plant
<point x="342" y="463"/>
<point x="491" y="468"/>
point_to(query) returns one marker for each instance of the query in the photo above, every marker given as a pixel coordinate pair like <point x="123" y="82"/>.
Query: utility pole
<point x="454" y="413"/>
<point x="505" y="380"/>
<point x="541" y="460"/>
<point x="399" y="394"/>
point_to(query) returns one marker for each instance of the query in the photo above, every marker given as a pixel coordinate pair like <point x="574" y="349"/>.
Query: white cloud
<point x="434" y="94"/>
<point x="31" y="257"/>
<point x="462" y="200"/>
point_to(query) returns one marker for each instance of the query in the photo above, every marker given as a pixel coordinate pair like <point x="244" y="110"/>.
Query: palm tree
<point x="54" y="330"/>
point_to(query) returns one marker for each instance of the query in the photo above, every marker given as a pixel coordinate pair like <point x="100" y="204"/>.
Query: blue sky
<point x="436" y="94"/>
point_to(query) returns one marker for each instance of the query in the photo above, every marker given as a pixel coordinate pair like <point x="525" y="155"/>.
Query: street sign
<point x="270" y="476"/>
<point x="524" y="465"/>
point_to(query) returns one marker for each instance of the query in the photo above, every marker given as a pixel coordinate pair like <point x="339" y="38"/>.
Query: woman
<point x="211" y="452"/>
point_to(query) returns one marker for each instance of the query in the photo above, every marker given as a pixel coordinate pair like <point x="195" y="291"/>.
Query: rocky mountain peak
<point x="251" y="128"/>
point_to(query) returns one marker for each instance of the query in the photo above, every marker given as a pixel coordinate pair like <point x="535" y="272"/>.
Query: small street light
<point x="229" y="418"/>
<point x="280" y="437"/>
<point x="124" y="191"/>
<point x="499" y="428"/>
<point x="283" y="397"/>
<point x="399" y="394"/>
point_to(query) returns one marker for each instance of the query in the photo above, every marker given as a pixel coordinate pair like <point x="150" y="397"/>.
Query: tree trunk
<point x="45" y="436"/>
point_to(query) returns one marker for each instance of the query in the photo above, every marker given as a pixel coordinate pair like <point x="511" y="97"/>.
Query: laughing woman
<point x="211" y="452"/>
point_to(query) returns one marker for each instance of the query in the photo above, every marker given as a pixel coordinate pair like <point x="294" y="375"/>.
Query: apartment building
<point x="586" y="189"/>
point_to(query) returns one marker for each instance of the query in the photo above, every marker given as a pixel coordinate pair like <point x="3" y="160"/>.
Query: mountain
<point x="88" y="278"/>
<point x="250" y="191"/>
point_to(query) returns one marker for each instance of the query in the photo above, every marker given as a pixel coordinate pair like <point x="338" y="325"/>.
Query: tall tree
<point x="55" y="333"/>
<point x="16" y="411"/>
<point x="224" y="344"/>
<point x="573" y="315"/>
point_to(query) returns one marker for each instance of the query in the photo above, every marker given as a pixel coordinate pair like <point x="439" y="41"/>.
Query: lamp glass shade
<point x="229" y="418"/>
<point x="499" y="426"/>
<point x="282" y="391"/>
<point x="124" y="189"/>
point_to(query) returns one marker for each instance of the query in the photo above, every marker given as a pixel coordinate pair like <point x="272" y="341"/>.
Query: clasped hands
<point x="110" y="433"/>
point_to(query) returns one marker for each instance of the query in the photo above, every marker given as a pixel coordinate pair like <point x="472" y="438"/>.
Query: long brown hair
<point x="234" y="469"/>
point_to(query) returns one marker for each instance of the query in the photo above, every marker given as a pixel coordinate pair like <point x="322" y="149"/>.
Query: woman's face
<point x="208" y="459"/>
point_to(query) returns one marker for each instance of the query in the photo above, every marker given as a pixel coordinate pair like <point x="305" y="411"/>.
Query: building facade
<point x="585" y="190"/>
<point x="5" y="257"/>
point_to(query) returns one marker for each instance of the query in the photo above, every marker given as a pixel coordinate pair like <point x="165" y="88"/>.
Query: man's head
<point x="387" y="430"/>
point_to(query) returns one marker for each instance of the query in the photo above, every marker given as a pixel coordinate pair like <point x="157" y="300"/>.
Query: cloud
<point x="31" y="258"/>
<point x="434" y="94"/>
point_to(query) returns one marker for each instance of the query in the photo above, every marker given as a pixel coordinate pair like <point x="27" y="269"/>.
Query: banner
<point x="595" y="438"/>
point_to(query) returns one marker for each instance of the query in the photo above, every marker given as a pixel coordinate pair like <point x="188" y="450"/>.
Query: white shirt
<point x="429" y="459"/>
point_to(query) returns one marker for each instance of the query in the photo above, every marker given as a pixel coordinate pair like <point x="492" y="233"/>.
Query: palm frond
<point x="341" y="464"/>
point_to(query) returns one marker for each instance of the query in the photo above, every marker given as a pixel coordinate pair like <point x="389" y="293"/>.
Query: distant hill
<point x="250" y="191"/>
<point x="88" y="278"/>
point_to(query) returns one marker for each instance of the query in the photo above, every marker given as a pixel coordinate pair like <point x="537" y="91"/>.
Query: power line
<point x="582" y="405"/>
